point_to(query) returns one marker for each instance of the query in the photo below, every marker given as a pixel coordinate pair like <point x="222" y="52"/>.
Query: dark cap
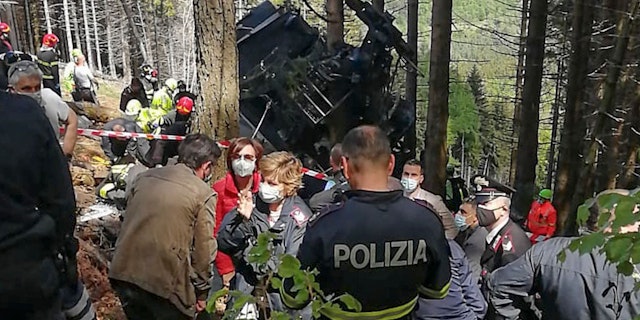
<point x="487" y="194"/>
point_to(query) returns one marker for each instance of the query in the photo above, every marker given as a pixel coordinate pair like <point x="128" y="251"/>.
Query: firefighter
<point x="163" y="98"/>
<point x="176" y="122"/>
<point x="48" y="63"/>
<point x="149" y="80"/>
<point x="541" y="220"/>
<point x="5" y="45"/>
<point x="378" y="246"/>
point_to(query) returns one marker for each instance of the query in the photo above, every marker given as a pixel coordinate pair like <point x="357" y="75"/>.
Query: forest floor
<point x="97" y="237"/>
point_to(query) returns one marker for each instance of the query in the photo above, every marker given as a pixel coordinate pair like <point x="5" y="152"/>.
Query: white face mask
<point x="269" y="193"/>
<point x="409" y="184"/>
<point x="242" y="167"/>
<point x="34" y="95"/>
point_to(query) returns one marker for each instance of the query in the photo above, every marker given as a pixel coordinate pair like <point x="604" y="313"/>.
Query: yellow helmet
<point x="171" y="83"/>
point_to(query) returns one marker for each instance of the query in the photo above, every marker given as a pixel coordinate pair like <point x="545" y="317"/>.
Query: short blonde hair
<point x="285" y="168"/>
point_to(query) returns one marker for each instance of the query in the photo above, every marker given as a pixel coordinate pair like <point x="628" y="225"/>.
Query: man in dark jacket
<point x="48" y="63"/>
<point x="472" y="237"/>
<point x="37" y="213"/>
<point x="584" y="286"/>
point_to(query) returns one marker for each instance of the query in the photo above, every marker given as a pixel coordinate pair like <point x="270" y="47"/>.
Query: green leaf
<point x="302" y="296"/>
<point x="583" y="214"/>
<point x="211" y="303"/>
<point x="617" y="248"/>
<point x="351" y="302"/>
<point x="276" y="283"/>
<point x="625" y="268"/>
<point x="607" y="201"/>
<point x="316" y="305"/>
<point x="288" y="266"/>
<point x="562" y="256"/>
<point x="242" y="300"/>
<point x="590" y="242"/>
<point x="635" y="252"/>
<point x="624" y="213"/>
<point x="574" y="245"/>
<point x="277" y="315"/>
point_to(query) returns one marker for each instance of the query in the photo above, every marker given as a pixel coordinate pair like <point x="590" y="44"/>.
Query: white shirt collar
<point x="494" y="232"/>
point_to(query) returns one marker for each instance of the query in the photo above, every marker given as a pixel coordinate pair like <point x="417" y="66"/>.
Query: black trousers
<point x="139" y="304"/>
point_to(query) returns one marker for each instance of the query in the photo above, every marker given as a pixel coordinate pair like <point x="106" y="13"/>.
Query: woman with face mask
<point x="243" y="176"/>
<point x="276" y="209"/>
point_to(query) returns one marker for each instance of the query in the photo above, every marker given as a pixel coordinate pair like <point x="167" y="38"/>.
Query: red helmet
<point x="4" y="28"/>
<point x="184" y="105"/>
<point x="50" y="40"/>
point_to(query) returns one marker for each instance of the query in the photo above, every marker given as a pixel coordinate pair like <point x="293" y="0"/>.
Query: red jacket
<point x="227" y="200"/>
<point x="541" y="220"/>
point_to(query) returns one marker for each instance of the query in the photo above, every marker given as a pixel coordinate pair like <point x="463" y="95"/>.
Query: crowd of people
<point x="394" y="246"/>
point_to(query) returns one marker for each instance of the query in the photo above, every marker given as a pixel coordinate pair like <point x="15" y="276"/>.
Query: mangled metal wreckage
<point x="297" y="95"/>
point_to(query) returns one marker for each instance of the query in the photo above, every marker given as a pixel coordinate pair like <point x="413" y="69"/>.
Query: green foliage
<point x="463" y="117"/>
<point x="616" y="211"/>
<point x="305" y="287"/>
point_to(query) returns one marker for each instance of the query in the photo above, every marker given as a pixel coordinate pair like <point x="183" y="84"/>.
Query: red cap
<point x="184" y="106"/>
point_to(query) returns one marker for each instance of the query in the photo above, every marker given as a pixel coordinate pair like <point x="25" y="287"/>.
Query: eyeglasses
<point x="249" y="157"/>
<point x="28" y="65"/>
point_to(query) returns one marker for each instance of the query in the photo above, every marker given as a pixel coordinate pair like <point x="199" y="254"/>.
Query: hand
<point x="245" y="204"/>
<point x="201" y="305"/>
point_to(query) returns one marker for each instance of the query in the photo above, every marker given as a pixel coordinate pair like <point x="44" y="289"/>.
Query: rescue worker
<point x="163" y="98"/>
<point x="505" y="242"/>
<point x="278" y="210"/>
<point x="48" y="62"/>
<point x="85" y="83"/>
<point x="412" y="178"/>
<point x="149" y="80"/>
<point x="118" y="148"/>
<point x="132" y="110"/>
<point x="471" y="237"/>
<point x="5" y="44"/>
<point x="134" y="91"/>
<point x="339" y="184"/>
<point x="37" y="246"/>
<point x="175" y="122"/>
<point x="25" y="78"/>
<point x="412" y="255"/>
<point x="162" y="264"/>
<point x="583" y="286"/>
<point x="464" y="301"/>
<point x="542" y="217"/>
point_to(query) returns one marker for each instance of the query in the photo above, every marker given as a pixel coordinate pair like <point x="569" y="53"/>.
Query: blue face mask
<point x="461" y="222"/>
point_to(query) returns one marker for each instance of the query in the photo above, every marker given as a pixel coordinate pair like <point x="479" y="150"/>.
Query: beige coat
<point x="166" y="244"/>
<point x="441" y="209"/>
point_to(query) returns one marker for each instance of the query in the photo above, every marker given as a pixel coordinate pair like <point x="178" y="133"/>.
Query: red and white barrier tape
<point x="128" y="135"/>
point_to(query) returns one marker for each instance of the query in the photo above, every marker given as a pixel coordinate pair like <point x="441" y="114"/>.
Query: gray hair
<point x="23" y="69"/>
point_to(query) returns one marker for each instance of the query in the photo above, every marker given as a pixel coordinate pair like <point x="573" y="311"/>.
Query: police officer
<point x="506" y="241"/>
<point x="378" y="246"/>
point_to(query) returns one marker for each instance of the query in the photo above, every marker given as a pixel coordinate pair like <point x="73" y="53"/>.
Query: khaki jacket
<point x="441" y="209"/>
<point x="166" y="244"/>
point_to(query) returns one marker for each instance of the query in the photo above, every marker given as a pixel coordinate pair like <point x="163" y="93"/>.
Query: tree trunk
<point x="138" y="52"/>
<point x="30" y="29"/>
<point x="524" y="19"/>
<point x="335" y="25"/>
<point x="217" y="72"/>
<point x="574" y="125"/>
<point x="87" y="34"/>
<point x="76" y="26"/>
<point x="96" y="38"/>
<point x="378" y="5"/>
<point x="412" y="75"/>
<point x="628" y="176"/>
<point x="435" y="151"/>
<point x="110" y="55"/>
<point x="67" y="25"/>
<point x="47" y="17"/>
<point x="528" y="136"/>
<point x="602" y="129"/>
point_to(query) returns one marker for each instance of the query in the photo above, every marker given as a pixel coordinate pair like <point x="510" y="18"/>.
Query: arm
<point x="438" y="280"/>
<point x="204" y="247"/>
<point x="233" y="233"/>
<point x="551" y="222"/>
<point x="70" y="133"/>
<point x="510" y="282"/>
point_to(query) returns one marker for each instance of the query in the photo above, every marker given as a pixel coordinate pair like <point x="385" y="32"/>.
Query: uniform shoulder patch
<point x="507" y="244"/>
<point x="298" y="216"/>
<point x="325" y="212"/>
